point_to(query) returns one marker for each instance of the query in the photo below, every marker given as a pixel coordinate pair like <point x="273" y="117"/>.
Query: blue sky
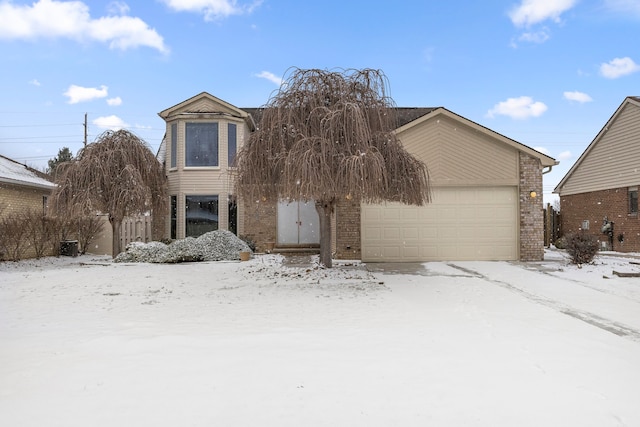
<point x="547" y="73"/>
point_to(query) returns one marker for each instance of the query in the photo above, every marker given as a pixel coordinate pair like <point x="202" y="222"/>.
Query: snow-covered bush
<point x="216" y="245"/>
<point x="581" y="247"/>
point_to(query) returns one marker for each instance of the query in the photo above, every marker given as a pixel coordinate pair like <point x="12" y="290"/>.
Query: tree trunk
<point x="115" y="241"/>
<point x="325" y="209"/>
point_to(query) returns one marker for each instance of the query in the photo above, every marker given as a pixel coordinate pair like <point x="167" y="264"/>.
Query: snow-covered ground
<point x="88" y="342"/>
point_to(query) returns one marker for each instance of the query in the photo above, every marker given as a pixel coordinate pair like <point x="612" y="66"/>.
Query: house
<point x="22" y="189"/>
<point x="599" y="194"/>
<point x="486" y="189"/>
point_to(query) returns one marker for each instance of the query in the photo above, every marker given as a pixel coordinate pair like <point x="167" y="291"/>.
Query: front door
<point x="298" y="223"/>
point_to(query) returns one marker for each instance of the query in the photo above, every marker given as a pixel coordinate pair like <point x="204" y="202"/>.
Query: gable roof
<point x="545" y="160"/>
<point x="12" y="172"/>
<point x="406" y="117"/>
<point x="634" y="100"/>
<point x="205" y="103"/>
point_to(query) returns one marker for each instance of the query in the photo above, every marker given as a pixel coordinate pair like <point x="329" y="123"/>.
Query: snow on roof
<point x="16" y="173"/>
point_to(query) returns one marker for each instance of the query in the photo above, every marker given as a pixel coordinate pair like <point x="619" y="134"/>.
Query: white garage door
<point x="460" y="224"/>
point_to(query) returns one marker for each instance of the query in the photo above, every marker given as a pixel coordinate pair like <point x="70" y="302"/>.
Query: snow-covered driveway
<point x="248" y="344"/>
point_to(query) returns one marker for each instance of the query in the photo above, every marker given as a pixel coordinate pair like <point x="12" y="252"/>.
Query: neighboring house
<point x="22" y="189"/>
<point x="602" y="186"/>
<point x="487" y="189"/>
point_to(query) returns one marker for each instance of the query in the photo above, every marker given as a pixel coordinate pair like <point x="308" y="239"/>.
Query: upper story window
<point x="232" y="147"/>
<point x="633" y="200"/>
<point x="201" y="144"/>
<point x="174" y="144"/>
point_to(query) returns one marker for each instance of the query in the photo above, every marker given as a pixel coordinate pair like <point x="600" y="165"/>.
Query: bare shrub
<point x="581" y="247"/>
<point x="40" y="231"/>
<point x="87" y="229"/>
<point x="13" y="243"/>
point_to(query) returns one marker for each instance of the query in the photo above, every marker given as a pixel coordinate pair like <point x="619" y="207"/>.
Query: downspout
<point x="544" y="172"/>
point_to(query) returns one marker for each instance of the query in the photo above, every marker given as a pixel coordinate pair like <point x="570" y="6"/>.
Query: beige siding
<point x="206" y="105"/>
<point x="459" y="155"/>
<point x="612" y="162"/>
<point x="193" y="181"/>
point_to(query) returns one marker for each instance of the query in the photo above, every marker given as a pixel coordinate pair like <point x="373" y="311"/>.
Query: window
<point x="174" y="216"/>
<point x="233" y="215"/>
<point x="232" y="144"/>
<point x="201" y="213"/>
<point x="633" y="200"/>
<point x="201" y="144"/>
<point x="45" y="205"/>
<point x="174" y="144"/>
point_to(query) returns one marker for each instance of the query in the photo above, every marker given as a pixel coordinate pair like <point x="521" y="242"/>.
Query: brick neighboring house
<point x="22" y="189"/>
<point x="602" y="185"/>
<point x="485" y="188"/>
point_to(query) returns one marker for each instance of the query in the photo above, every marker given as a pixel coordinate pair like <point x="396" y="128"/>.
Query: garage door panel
<point x="460" y="224"/>
<point x="391" y="233"/>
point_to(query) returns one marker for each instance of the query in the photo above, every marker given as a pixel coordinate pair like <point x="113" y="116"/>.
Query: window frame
<point x="191" y="146"/>
<point x="174" y="146"/>
<point x="173" y="227"/>
<point x="632" y="200"/>
<point x="198" y="228"/>
<point x="232" y="142"/>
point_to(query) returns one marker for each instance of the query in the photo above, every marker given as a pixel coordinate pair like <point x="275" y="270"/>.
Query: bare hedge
<point x="32" y="233"/>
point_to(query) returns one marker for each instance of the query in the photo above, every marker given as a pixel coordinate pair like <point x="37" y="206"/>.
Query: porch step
<point x="297" y="250"/>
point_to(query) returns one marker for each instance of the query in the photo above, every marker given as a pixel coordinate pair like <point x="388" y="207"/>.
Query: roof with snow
<point x="12" y="172"/>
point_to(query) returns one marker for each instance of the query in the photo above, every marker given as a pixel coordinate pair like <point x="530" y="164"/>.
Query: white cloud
<point x="518" y="108"/>
<point x="619" y="67"/>
<point x="531" y="12"/>
<point x="78" y="94"/>
<point x="110" y="122"/>
<point x="270" y="76"/>
<point x="624" y="6"/>
<point x="535" y="37"/>
<point x="114" y="102"/>
<point x="565" y="155"/>
<point x="34" y="82"/>
<point x="212" y="9"/>
<point x="71" y="19"/>
<point x="118" y="8"/>
<point x="577" y="97"/>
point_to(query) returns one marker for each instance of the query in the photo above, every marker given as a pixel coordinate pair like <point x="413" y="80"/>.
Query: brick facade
<point x="531" y="209"/>
<point x="18" y="199"/>
<point x="348" y="244"/>
<point x="590" y="209"/>
<point x="261" y="227"/>
<point x="260" y="222"/>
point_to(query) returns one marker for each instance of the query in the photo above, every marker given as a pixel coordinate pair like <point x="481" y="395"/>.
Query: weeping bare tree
<point x="326" y="136"/>
<point x="117" y="174"/>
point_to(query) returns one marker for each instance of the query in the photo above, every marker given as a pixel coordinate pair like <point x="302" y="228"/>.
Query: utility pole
<point x="85" y="129"/>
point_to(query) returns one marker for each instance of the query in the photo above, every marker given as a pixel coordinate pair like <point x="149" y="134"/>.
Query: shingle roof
<point x="12" y="172"/>
<point x="404" y="114"/>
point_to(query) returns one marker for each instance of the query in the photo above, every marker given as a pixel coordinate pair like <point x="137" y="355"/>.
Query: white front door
<point x="298" y="223"/>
